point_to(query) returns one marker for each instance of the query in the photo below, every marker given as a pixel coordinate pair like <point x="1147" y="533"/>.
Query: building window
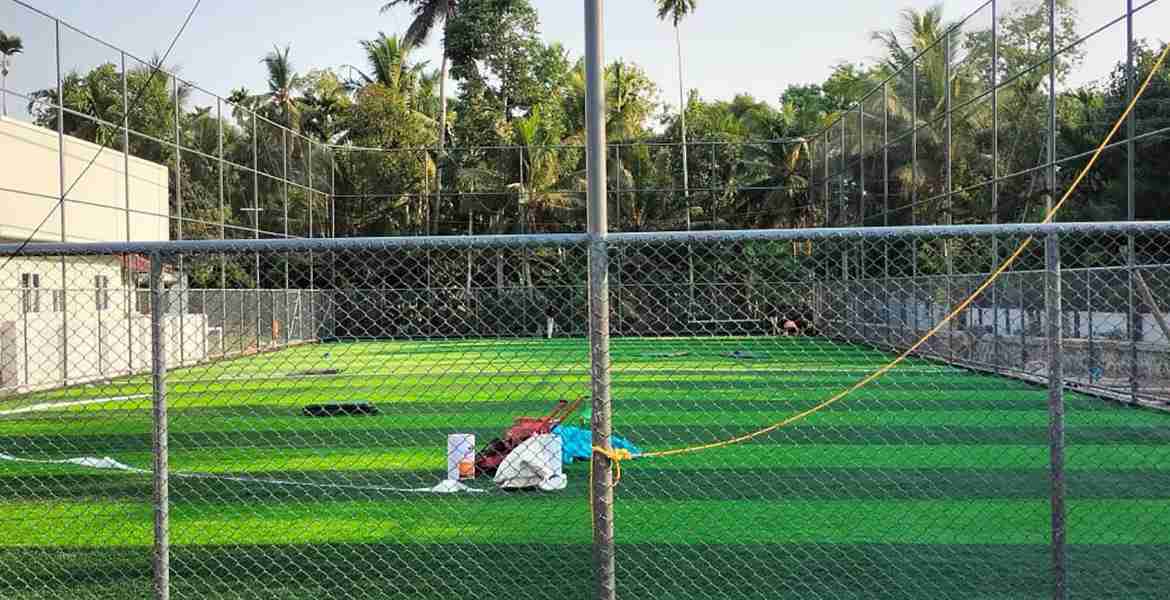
<point x="58" y="300"/>
<point x="101" y="291"/>
<point x="30" y="287"/>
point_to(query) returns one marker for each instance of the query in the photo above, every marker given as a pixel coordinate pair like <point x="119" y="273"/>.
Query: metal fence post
<point x="287" y="255"/>
<point x="179" y="203"/>
<point x="161" y="558"/>
<point x="1092" y="343"/>
<point x="995" y="362"/>
<point x="1052" y="301"/>
<point x="599" y="359"/>
<point x="61" y="207"/>
<point x="220" y="191"/>
<point x="131" y="284"/>
<point x="256" y="215"/>
<point x="1132" y="315"/>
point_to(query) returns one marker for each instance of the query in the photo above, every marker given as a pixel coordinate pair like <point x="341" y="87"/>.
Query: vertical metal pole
<point x="1051" y="170"/>
<point x="828" y="191"/>
<point x="130" y="283"/>
<point x="287" y="255"/>
<point x="994" y="180"/>
<point x="332" y="286"/>
<point x="61" y="208"/>
<point x="861" y="168"/>
<point x="222" y="224"/>
<point x="914" y="175"/>
<point x="332" y="197"/>
<point x="256" y="216"/>
<point x="843" y="209"/>
<point x="1052" y="299"/>
<point x="1131" y="206"/>
<point x="179" y="201"/>
<point x="99" y="296"/>
<point x="25" y="292"/>
<point x="713" y="179"/>
<point x="1023" y="325"/>
<point x="1089" y="310"/>
<point x="617" y="149"/>
<point x="243" y="318"/>
<point x="178" y="162"/>
<point x="312" y="272"/>
<point x="682" y="115"/>
<point x="914" y="192"/>
<point x="603" y="542"/>
<point x="158" y="369"/>
<point x="949" y="219"/>
<point x="886" y="213"/>
<point x="861" y="199"/>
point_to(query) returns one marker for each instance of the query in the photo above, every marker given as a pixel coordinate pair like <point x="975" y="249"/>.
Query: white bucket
<point x="461" y="456"/>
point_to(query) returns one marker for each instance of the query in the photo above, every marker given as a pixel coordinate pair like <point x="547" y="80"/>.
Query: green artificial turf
<point x="931" y="482"/>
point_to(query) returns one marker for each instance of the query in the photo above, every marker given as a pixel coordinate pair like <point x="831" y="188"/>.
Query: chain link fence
<point x="299" y="444"/>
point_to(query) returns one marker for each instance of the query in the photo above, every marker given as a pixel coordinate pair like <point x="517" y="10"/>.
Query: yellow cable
<point x="616" y="458"/>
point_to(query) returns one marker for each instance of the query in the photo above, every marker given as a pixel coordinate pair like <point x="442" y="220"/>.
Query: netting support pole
<point x="1052" y="301"/>
<point x="130" y="283"/>
<point x="179" y="232"/>
<point x="158" y="369"/>
<point x="889" y="297"/>
<point x="599" y="360"/>
<point x="995" y="260"/>
<point x="219" y="168"/>
<point x="61" y="208"/>
<point x="1132" y="316"/>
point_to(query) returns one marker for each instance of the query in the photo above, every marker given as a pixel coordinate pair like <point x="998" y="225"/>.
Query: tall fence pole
<point x="1052" y="300"/>
<point x="603" y="546"/>
<point x="1131" y="316"/>
<point x="130" y="284"/>
<point x="61" y="207"/>
<point x="256" y="216"/>
<point x="220" y="191"/>
<point x="162" y="559"/>
<point x="995" y="362"/>
<point x="179" y="229"/>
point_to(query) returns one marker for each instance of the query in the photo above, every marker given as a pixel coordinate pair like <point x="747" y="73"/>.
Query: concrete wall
<point x="95" y="209"/>
<point x="35" y="348"/>
<point x="67" y="336"/>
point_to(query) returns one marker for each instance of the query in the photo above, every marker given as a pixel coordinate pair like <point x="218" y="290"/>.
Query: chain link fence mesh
<point x="308" y="428"/>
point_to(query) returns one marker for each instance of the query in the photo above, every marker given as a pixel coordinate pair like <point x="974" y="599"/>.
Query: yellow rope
<point x="616" y="457"/>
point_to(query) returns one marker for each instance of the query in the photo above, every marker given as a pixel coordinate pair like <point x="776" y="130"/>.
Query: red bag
<point x="488" y="460"/>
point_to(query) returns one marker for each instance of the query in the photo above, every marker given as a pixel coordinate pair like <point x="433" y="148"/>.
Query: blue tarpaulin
<point x="577" y="443"/>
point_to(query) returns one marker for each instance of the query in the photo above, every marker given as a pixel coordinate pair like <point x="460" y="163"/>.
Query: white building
<point x="77" y="319"/>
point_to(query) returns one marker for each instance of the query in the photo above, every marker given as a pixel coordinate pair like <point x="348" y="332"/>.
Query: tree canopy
<point x="516" y="127"/>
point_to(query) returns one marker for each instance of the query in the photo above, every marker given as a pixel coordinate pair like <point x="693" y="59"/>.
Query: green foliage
<point x="517" y="92"/>
<point x="675" y="10"/>
<point x="427" y="15"/>
<point x="10" y="45"/>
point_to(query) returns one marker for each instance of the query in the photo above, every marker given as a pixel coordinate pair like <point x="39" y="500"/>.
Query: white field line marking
<point x="107" y="463"/>
<point x="55" y="405"/>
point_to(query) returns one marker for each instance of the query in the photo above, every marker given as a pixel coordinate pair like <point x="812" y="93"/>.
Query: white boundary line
<point x="53" y="405"/>
<point x="445" y="486"/>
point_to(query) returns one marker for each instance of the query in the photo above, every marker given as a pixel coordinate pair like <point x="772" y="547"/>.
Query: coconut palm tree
<point x="676" y="11"/>
<point x="388" y="63"/>
<point x="283" y="82"/>
<point x="9" y="45"/>
<point x="427" y="15"/>
<point x="937" y="82"/>
<point x="916" y="42"/>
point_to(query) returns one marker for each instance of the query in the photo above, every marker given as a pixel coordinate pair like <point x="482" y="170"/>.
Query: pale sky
<point x="731" y="46"/>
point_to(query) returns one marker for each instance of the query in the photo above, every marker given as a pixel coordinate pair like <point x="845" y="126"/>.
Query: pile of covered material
<point x="533" y="450"/>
